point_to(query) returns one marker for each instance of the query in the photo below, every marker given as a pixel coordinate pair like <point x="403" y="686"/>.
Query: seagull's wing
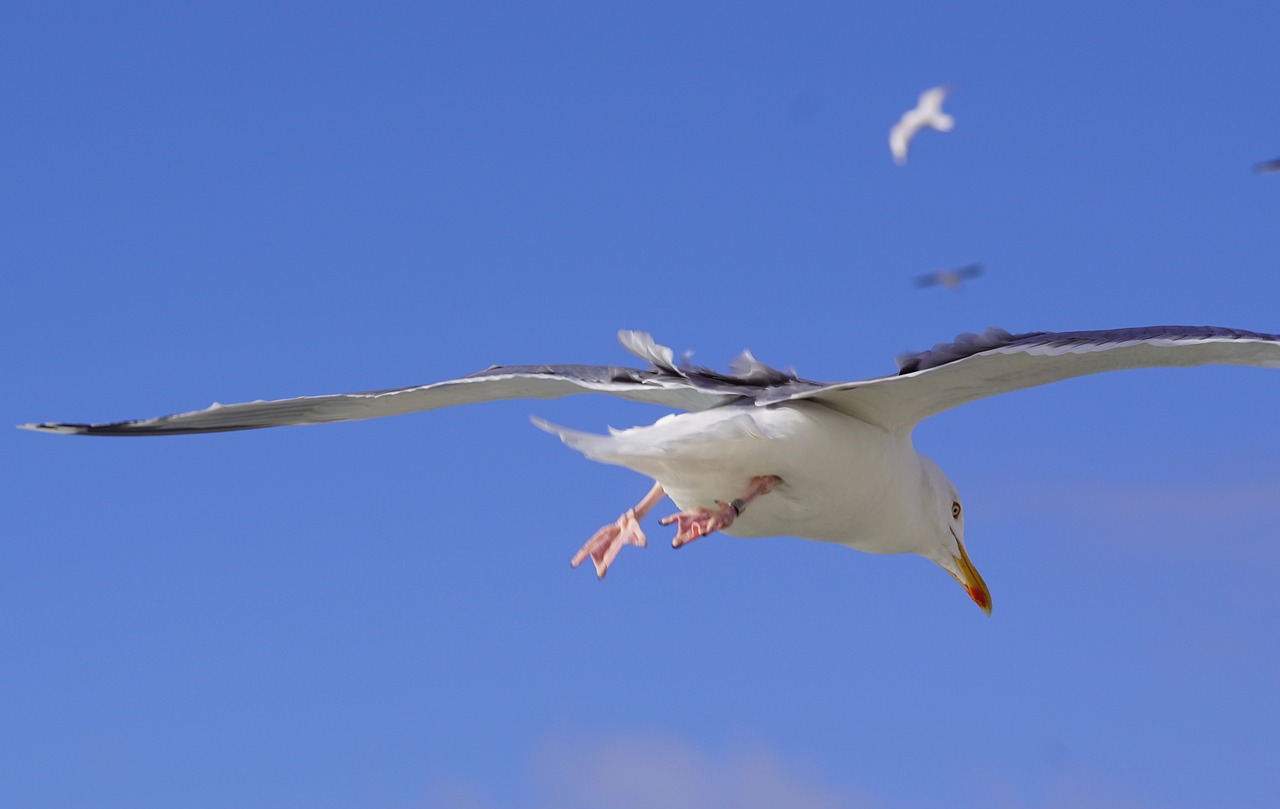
<point x="969" y="271"/>
<point x="665" y="384"/>
<point x="900" y="139"/>
<point x="679" y="385"/>
<point x="511" y="382"/>
<point x="976" y="366"/>
<point x="930" y="102"/>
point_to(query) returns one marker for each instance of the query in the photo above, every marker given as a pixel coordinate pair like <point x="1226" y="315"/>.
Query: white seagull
<point x="928" y="112"/>
<point x="831" y="462"/>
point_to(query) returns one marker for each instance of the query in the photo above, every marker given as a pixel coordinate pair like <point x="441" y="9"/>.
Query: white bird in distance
<point x="927" y="113"/>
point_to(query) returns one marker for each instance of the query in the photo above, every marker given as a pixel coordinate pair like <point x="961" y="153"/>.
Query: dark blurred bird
<point x="951" y="279"/>
<point x="1268" y="166"/>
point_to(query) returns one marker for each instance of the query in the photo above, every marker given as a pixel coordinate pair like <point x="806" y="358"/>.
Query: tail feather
<point x="680" y="443"/>
<point x="594" y="446"/>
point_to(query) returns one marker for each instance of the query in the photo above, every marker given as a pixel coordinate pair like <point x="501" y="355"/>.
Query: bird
<point x="757" y="451"/>
<point x="1268" y="166"/>
<point x="951" y="279"/>
<point x="927" y="112"/>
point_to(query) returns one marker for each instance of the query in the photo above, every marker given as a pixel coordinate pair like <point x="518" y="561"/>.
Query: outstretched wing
<point x="900" y="139"/>
<point x="930" y="102"/>
<point x="946" y="376"/>
<point x="931" y="279"/>
<point x="668" y="383"/>
<point x="994" y="362"/>
<point x="510" y="382"/>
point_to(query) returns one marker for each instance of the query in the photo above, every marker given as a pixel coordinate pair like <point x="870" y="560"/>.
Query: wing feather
<point x="511" y="382"/>
<point x="977" y="366"/>
<point x="948" y="375"/>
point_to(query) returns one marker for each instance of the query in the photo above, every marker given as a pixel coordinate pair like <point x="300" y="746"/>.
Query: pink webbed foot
<point x="698" y="522"/>
<point x="604" y="545"/>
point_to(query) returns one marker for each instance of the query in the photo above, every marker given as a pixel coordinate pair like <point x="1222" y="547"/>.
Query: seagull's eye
<point x="955" y="511"/>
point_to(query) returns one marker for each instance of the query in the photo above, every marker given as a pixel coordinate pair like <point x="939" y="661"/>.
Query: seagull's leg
<point x="698" y="522"/>
<point x="605" y="544"/>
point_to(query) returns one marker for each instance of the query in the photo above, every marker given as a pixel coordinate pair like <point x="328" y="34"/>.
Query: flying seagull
<point x="951" y="279"/>
<point x="928" y="112"/>
<point x="762" y="452"/>
<point x="1268" y="166"/>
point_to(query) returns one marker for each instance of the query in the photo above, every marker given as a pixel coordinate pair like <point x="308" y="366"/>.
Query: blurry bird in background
<point x="1268" y="166"/>
<point x="927" y="113"/>
<point x="951" y="279"/>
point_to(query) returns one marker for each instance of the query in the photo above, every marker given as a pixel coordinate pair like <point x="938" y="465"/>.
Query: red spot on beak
<point x="980" y="597"/>
<point x="971" y="581"/>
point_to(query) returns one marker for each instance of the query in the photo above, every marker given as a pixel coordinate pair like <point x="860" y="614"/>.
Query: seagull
<point x="1268" y="166"/>
<point x="951" y="279"/>
<point x="760" y="452"/>
<point x="928" y="112"/>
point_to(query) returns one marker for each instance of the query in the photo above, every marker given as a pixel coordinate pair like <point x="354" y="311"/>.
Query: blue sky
<point x="243" y="200"/>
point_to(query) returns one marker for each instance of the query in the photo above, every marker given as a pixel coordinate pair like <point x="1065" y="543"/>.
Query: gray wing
<point x="511" y="382"/>
<point x="994" y="362"/>
<point x="927" y="280"/>
<point x="683" y="386"/>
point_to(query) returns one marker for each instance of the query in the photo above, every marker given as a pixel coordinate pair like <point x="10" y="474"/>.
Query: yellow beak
<point x="971" y="580"/>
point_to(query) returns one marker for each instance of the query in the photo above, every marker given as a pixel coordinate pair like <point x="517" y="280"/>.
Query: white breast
<point x="844" y="480"/>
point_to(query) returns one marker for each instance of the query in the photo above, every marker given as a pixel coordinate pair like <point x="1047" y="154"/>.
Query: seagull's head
<point x="947" y="533"/>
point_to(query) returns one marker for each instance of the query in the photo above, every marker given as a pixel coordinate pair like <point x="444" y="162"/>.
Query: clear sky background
<point x="246" y="200"/>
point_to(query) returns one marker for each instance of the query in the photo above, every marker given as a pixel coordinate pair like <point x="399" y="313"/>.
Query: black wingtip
<point x="49" y="427"/>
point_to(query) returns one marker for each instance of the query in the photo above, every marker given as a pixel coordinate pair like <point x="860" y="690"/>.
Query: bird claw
<point x="698" y="522"/>
<point x="604" y="545"/>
